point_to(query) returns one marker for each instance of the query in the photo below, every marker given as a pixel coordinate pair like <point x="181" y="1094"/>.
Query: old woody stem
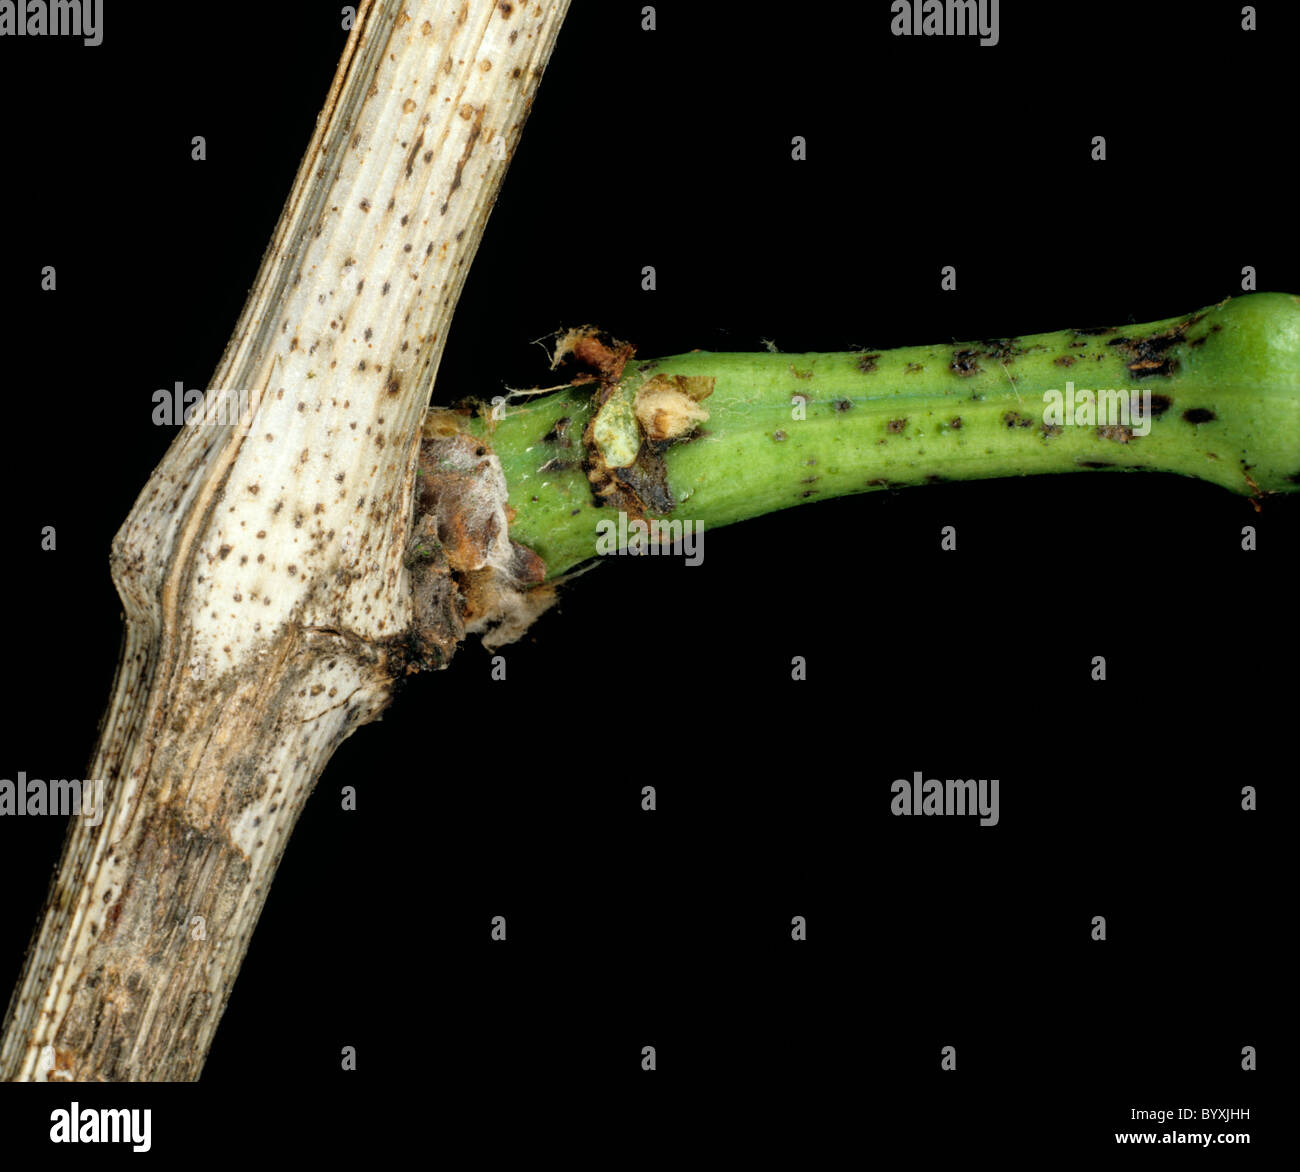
<point x="262" y="569"/>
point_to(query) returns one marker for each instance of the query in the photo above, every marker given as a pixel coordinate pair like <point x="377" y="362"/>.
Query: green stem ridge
<point x="1224" y="406"/>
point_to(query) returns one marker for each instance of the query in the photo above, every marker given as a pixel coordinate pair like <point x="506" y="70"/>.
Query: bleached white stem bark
<point x="263" y="568"/>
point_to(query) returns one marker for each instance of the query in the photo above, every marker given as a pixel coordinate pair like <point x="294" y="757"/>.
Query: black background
<point x="522" y="798"/>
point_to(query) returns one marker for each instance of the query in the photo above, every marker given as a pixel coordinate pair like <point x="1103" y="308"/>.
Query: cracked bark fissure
<point x="263" y="568"/>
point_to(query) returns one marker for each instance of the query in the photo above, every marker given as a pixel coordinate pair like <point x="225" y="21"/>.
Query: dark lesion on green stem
<point x="642" y="485"/>
<point x="1150" y="356"/>
<point x="559" y="433"/>
<point x="1003" y="350"/>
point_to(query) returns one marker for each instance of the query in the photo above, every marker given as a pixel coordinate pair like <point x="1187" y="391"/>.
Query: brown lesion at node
<point x="1015" y="419"/>
<point x="1117" y="433"/>
<point x="1199" y="415"/>
<point x="964" y="362"/>
<point x="1050" y="429"/>
<point x="665" y="409"/>
<point x="867" y="363"/>
<point x="896" y="426"/>
<point x="441" y="422"/>
<point x="668" y="407"/>
<point x="605" y="356"/>
<point x="1064" y="360"/>
<point x="460" y="580"/>
<point x="913" y="368"/>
